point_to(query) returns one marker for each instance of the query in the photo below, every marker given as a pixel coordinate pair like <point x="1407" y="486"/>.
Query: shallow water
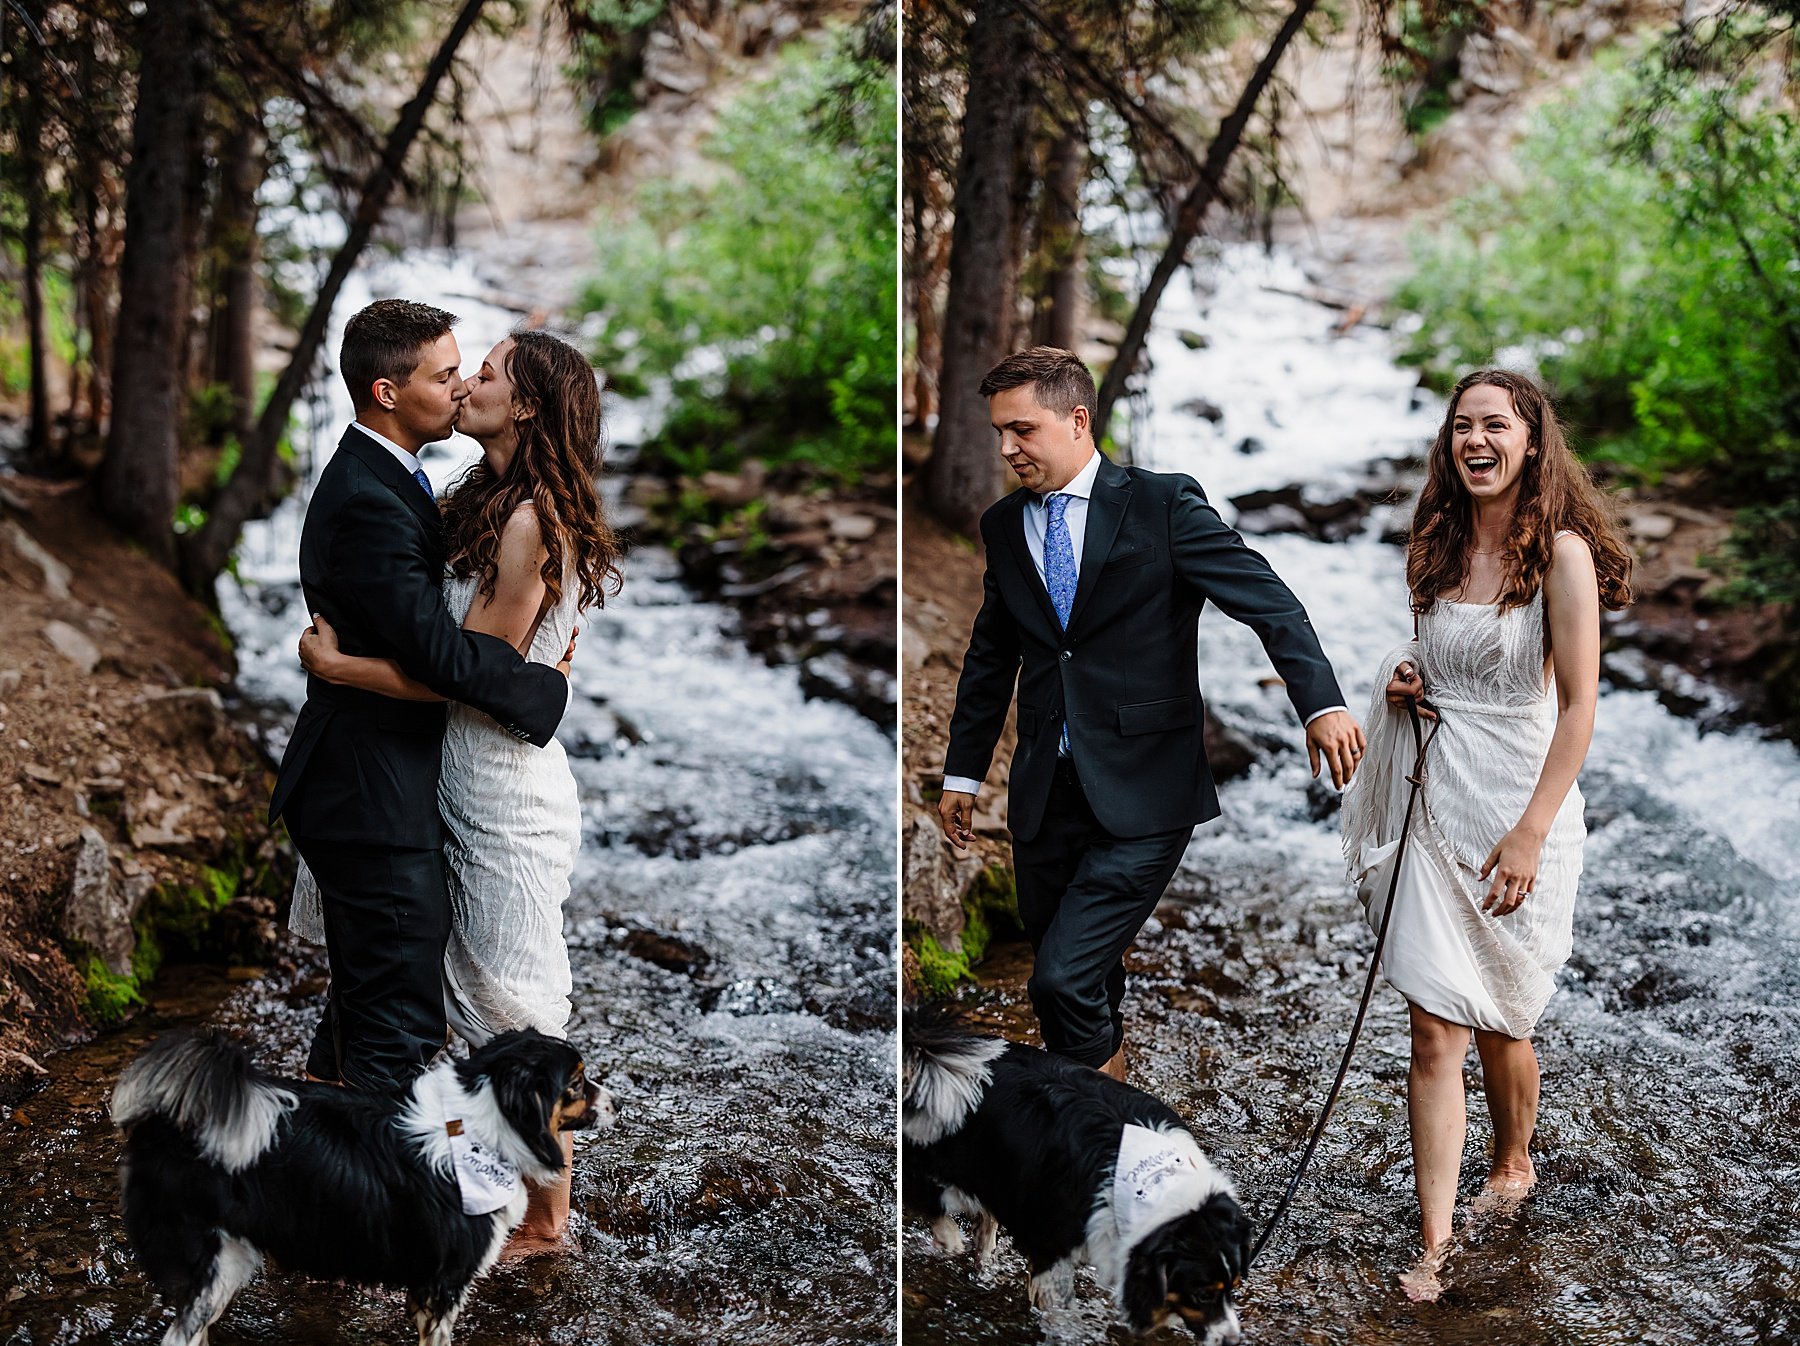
<point x="1667" y="1150"/>
<point x="731" y="927"/>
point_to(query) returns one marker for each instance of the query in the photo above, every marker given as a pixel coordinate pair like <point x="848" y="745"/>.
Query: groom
<point x="358" y="783"/>
<point x="1096" y="576"/>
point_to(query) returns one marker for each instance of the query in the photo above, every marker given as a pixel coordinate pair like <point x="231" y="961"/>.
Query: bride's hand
<point x="319" y="648"/>
<point x="568" y="658"/>
<point x="1406" y="685"/>
<point x="1514" y="865"/>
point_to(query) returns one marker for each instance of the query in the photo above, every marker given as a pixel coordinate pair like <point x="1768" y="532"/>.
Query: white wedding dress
<point x="512" y="823"/>
<point x="1484" y="668"/>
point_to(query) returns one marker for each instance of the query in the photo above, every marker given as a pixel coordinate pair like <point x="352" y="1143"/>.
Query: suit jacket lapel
<point x="1013" y="530"/>
<point x="384" y="465"/>
<point x="1106" y="510"/>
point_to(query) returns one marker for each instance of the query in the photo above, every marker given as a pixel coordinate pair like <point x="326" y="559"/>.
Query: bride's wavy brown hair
<point x="1555" y="493"/>
<point x="555" y="466"/>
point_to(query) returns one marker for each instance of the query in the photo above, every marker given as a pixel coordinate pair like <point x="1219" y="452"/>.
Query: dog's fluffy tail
<point x="945" y="1070"/>
<point x="208" y="1089"/>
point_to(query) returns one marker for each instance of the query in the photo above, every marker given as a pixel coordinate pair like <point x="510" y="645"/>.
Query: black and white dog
<point x="1076" y="1167"/>
<point x="225" y="1165"/>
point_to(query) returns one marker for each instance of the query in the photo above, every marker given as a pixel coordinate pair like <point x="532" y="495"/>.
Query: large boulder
<point x="935" y="879"/>
<point x="100" y="909"/>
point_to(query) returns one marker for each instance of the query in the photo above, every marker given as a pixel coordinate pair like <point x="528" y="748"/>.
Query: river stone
<point x="853" y="527"/>
<point x="56" y="574"/>
<point x="73" y="645"/>
<point x="1205" y="409"/>
<point x="1229" y="754"/>
<point x="1648" y="525"/>
<point x="99" y="911"/>
<point x="1194" y="341"/>
<point x="184" y="715"/>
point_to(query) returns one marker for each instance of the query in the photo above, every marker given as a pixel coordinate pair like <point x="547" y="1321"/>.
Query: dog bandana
<point x="487" y="1181"/>
<point x="1157" y="1177"/>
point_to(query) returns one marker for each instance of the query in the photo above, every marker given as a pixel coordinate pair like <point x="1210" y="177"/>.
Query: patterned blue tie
<point x="1059" y="573"/>
<point x="424" y="481"/>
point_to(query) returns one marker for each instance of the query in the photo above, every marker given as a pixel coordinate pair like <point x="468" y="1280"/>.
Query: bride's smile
<point x="1489" y="442"/>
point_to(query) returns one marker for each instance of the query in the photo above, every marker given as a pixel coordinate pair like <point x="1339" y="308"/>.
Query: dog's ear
<point x="1231" y="1231"/>
<point x="527" y="1084"/>
<point x="1147" y="1279"/>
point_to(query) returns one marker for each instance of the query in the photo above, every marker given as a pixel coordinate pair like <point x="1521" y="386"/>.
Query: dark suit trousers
<point x="387" y="918"/>
<point x="1083" y="896"/>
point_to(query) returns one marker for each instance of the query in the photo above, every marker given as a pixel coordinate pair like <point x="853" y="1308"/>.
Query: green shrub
<point x="766" y="300"/>
<point x="1648" y="264"/>
<point x="1652" y="274"/>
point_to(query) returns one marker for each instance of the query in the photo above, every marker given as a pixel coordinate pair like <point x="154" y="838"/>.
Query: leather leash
<point x="1417" y="780"/>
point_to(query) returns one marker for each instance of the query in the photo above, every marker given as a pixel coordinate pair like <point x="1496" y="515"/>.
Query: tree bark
<point x="963" y="476"/>
<point x="259" y="478"/>
<point x="138" y="475"/>
<point x="1191" y="214"/>
<point x="239" y="251"/>
<point x="930" y="256"/>
<point x="95" y="285"/>
<point x="37" y="444"/>
<point x="1059" y="239"/>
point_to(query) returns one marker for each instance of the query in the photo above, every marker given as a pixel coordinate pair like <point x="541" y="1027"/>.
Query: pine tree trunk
<point x="930" y="255"/>
<point x="37" y="444"/>
<point x="138" y="476"/>
<point x="239" y="250"/>
<point x="1059" y="240"/>
<point x="964" y="475"/>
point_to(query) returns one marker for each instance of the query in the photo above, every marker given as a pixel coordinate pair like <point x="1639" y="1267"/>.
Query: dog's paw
<point x="947" y="1234"/>
<point x="1053" y="1289"/>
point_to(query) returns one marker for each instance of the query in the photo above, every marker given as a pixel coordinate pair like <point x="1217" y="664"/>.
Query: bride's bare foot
<point x="1423" y="1282"/>
<point x="1505" y="1191"/>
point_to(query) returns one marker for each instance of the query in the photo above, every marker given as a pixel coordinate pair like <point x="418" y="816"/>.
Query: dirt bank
<point x="131" y="827"/>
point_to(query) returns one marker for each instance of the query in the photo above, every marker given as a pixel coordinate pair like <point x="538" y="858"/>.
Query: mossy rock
<point x="990" y="910"/>
<point x="176" y="921"/>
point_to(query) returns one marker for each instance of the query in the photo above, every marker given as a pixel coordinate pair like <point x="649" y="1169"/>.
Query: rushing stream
<point x="1668" y="1149"/>
<point x="731" y="929"/>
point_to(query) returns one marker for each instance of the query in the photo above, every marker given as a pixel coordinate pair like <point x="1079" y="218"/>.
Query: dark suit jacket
<point x="364" y="767"/>
<point x="1124" y="675"/>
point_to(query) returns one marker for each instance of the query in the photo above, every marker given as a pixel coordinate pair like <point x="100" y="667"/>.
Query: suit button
<point x="1068" y="655"/>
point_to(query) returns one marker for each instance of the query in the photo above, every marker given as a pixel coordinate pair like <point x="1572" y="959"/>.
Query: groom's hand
<point x="956" y="811"/>
<point x="1338" y="739"/>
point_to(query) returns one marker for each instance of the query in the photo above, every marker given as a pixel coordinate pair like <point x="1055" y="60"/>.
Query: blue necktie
<point x="1059" y="573"/>
<point x="425" y="482"/>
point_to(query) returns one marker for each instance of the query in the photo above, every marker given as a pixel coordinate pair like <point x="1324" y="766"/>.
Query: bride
<point x="529" y="550"/>
<point x="1512" y="555"/>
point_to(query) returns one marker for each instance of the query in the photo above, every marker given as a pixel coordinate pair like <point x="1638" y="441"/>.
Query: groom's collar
<point x="381" y="458"/>
<point x="409" y="461"/>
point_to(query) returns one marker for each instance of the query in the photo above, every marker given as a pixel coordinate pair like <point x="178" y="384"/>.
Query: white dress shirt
<point x="1037" y="524"/>
<point x="407" y="460"/>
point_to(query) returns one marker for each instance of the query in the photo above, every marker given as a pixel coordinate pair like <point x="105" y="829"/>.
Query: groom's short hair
<point x="383" y="342"/>
<point x="1062" y="380"/>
